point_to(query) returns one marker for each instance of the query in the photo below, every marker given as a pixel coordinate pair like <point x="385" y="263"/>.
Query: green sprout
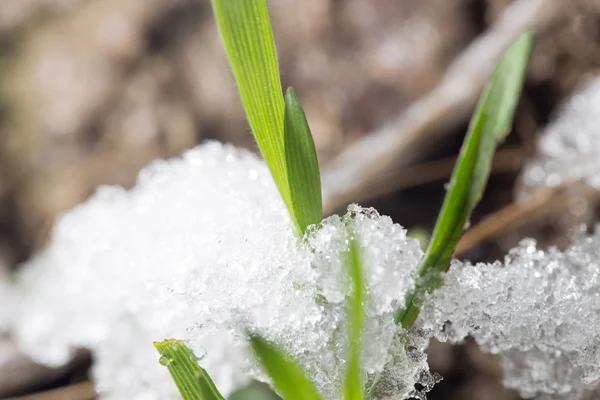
<point x="191" y="380"/>
<point x="285" y="141"/>
<point x="489" y="125"/>
<point x="353" y="385"/>
<point x="288" y="377"/>
<point x="278" y="124"/>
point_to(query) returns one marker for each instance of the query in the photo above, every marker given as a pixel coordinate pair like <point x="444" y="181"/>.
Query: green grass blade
<point x="302" y="165"/>
<point x="353" y="385"/>
<point x="248" y="38"/>
<point x="207" y="387"/>
<point x="254" y="391"/>
<point x="192" y="381"/>
<point x="287" y="376"/>
<point x="489" y="125"/>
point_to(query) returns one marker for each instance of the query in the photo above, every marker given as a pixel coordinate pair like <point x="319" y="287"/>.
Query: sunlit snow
<point x="568" y="151"/>
<point x="202" y="249"/>
<point x="539" y="309"/>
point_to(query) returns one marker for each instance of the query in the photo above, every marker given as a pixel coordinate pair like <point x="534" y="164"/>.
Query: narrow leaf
<point x="353" y="385"/>
<point x="287" y="376"/>
<point x="254" y="391"/>
<point x="489" y="125"/>
<point x="302" y="165"/>
<point x="192" y="381"/>
<point x="246" y="32"/>
<point x="207" y="387"/>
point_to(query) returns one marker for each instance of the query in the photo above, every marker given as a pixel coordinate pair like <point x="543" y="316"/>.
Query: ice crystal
<point x="539" y="309"/>
<point x="202" y="249"/>
<point x="569" y="148"/>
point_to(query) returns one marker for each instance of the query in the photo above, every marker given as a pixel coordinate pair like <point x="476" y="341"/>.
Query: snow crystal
<point x="539" y="309"/>
<point x="569" y="148"/>
<point x="202" y="249"/>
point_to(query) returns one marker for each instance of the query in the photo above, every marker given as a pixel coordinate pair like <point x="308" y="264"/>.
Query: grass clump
<point x="285" y="141"/>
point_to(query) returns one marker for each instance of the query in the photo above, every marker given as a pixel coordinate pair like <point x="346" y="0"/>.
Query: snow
<point x="539" y="309"/>
<point x="568" y="151"/>
<point x="202" y="249"/>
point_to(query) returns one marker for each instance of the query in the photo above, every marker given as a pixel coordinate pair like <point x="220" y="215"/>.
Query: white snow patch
<point x="539" y="309"/>
<point x="569" y="148"/>
<point x="202" y="249"/>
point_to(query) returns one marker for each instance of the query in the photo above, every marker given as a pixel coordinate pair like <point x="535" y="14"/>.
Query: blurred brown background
<point x="92" y="90"/>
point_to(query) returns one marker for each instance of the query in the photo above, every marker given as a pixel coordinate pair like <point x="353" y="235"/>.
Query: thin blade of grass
<point x="287" y="376"/>
<point x="254" y="391"/>
<point x="248" y="38"/>
<point x="302" y="165"/>
<point x="192" y="381"/>
<point x="207" y="387"/>
<point x="489" y="125"/>
<point x="353" y="385"/>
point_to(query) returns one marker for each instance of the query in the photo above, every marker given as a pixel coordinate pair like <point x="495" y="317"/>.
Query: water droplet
<point x="164" y="361"/>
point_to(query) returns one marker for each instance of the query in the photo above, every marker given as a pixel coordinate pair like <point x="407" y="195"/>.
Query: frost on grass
<point x="539" y="309"/>
<point x="569" y="148"/>
<point x="202" y="249"/>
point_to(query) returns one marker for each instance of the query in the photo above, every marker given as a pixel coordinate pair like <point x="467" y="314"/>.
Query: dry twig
<point x="520" y="213"/>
